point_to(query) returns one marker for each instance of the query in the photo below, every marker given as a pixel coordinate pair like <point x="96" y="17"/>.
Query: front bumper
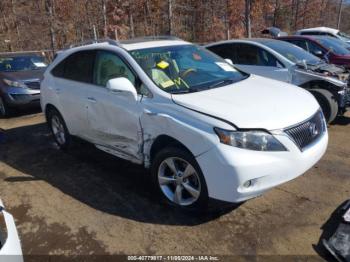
<point x="21" y="97"/>
<point x="226" y="168"/>
<point x="10" y="248"/>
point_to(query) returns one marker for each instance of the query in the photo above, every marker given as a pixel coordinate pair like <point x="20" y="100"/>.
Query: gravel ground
<point x="86" y="202"/>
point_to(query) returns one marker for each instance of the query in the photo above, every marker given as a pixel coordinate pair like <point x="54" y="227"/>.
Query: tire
<point x="327" y="102"/>
<point x="58" y="129"/>
<point x="4" y="109"/>
<point x="174" y="185"/>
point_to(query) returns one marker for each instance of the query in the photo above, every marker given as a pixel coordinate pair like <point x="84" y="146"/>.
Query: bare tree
<point x="248" y="27"/>
<point x="49" y="5"/>
<point x="340" y="13"/>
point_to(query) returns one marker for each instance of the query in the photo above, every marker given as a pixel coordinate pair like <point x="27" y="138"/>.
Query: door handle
<point x="58" y="91"/>
<point x="91" y="99"/>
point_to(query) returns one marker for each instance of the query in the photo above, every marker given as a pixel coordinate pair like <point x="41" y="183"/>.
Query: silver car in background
<point x="289" y="63"/>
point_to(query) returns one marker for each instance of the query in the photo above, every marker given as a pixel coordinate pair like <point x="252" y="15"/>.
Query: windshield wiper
<point x="185" y="91"/>
<point x="221" y="83"/>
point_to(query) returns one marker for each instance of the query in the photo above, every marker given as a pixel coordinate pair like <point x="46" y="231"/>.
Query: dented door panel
<point x="114" y="124"/>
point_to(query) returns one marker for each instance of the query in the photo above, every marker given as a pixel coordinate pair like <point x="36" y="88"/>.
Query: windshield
<point x="335" y="45"/>
<point x="344" y="36"/>
<point x="185" y="68"/>
<point x="21" y="63"/>
<point x="293" y="52"/>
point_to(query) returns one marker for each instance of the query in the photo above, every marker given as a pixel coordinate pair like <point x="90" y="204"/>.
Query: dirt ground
<point x="86" y="202"/>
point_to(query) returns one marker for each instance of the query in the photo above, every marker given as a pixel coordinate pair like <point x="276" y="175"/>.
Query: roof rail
<point x="95" y="41"/>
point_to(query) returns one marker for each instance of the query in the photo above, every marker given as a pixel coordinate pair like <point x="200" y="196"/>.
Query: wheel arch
<point x="163" y="141"/>
<point x="320" y="84"/>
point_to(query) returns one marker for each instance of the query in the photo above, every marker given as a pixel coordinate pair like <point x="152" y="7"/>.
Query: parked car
<point x="10" y="246"/>
<point x="325" y="31"/>
<point x="205" y="129"/>
<point x="286" y="62"/>
<point x="20" y="76"/>
<point x="330" y="49"/>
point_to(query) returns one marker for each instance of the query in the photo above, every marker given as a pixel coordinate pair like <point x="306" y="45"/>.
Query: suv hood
<point x="255" y="102"/>
<point x="23" y="75"/>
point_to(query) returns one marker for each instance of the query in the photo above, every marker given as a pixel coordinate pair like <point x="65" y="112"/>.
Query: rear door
<point x="73" y="77"/>
<point x="114" y="118"/>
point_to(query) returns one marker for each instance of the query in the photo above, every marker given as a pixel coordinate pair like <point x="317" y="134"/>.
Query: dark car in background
<point x="20" y="76"/>
<point x="331" y="49"/>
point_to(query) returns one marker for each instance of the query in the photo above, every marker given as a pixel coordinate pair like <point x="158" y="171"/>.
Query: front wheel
<point x="328" y="103"/>
<point x="59" y="129"/>
<point x="179" y="180"/>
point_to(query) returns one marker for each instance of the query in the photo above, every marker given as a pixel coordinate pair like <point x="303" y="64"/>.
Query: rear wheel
<point x="179" y="180"/>
<point x="59" y="129"/>
<point x="327" y="102"/>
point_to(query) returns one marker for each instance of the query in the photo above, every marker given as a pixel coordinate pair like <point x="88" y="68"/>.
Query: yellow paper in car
<point x="163" y="65"/>
<point x="167" y="84"/>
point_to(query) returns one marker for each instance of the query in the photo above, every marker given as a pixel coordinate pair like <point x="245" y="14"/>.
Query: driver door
<point x="113" y="118"/>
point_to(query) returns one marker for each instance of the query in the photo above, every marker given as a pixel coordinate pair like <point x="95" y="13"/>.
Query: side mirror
<point x="229" y="61"/>
<point x="123" y="86"/>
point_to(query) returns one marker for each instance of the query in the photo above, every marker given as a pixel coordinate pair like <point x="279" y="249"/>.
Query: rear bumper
<point x="226" y="168"/>
<point x="11" y="246"/>
<point x="21" y="97"/>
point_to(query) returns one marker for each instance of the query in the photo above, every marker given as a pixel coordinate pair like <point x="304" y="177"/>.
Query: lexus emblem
<point x="313" y="130"/>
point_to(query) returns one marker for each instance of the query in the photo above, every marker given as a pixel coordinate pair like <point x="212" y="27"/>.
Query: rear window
<point x="78" y="67"/>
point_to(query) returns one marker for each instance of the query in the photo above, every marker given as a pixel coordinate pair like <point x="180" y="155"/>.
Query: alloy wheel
<point x="179" y="181"/>
<point x="58" y="130"/>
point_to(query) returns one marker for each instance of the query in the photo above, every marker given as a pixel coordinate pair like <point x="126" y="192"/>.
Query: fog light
<point x="248" y="183"/>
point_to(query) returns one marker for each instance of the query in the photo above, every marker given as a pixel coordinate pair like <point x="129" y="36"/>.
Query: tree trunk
<point x="339" y="13"/>
<point x="248" y="27"/>
<point x="170" y="16"/>
<point x="104" y="16"/>
<point x="49" y="4"/>
<point x="227" y="20"/>
<point x="296" y="15"/>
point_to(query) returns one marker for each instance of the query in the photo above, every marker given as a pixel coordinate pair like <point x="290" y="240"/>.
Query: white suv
<point x="205" y="129"/>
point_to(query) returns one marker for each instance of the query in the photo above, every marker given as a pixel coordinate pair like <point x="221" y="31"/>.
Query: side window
<point x="330" y="35"/>
<point x="315" y="49"/>
<point x="253" y="55"/>
<point x="79" y="66"/>
<point x="58" y="70"/>
<point x="300" y="43"/>
<point x="267" y="59"/>
<point x="225" y="51"/>
<point x="311" y="33"/>
<point x="108" y="66"/>
<point x="247" y="55"/>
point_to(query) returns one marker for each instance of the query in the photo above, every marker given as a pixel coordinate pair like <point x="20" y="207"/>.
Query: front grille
<point x="307" y="132"/>
<point x="33" y="85"/>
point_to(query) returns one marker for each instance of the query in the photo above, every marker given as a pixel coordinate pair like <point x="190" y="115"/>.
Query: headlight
<point x="14" y="83"/>
<point x="251" y="140"/>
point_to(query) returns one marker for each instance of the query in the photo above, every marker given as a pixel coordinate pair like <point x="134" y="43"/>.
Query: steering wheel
<point x="188" y="71"/>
